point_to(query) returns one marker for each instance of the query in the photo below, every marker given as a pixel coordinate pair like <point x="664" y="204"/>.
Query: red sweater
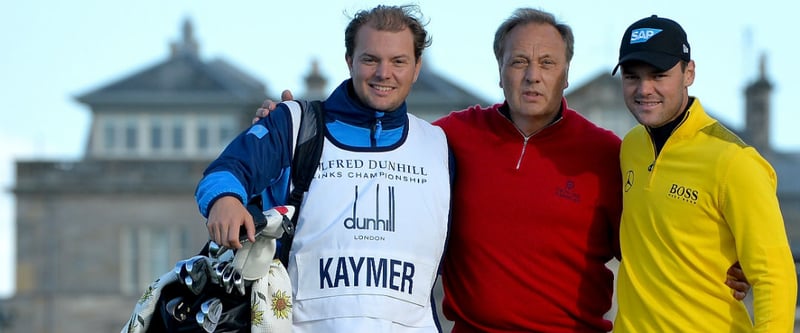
<point x="533" y="224"/>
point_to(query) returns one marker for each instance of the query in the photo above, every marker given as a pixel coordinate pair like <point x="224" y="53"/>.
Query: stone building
<point x="92" y="233"/>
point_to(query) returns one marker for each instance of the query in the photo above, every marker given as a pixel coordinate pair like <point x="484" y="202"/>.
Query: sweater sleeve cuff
<point x="216" y="185"/>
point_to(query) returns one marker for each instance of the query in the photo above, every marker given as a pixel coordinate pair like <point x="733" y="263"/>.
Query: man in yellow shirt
<point x="696" y="200"/>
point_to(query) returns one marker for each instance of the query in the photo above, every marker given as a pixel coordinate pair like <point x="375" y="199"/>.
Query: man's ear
<point x="349" y="61"/>
<point x="500" y="74"/>
<point x="688" y="75"/>
<point x="418" y="67"/>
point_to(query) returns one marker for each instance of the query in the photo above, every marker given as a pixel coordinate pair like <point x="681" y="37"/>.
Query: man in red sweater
<point x="536" y="200"/>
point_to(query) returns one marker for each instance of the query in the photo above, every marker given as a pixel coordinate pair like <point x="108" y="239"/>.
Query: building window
<point x="131" y="136"/>
<point x="178" y="136"/>
<point x="109" y="136"/>
<point x="159" y="243"/>
<point x="202" y="137"/>
<point x="149" y="252"/>
<point x="226" y="134"/>
<point x="156" y="136"/>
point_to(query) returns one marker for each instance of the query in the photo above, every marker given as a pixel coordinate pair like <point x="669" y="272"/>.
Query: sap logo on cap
<point x="641" y="35"/>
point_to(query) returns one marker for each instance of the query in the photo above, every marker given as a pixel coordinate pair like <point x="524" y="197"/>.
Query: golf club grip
<point x="259" y="220"/>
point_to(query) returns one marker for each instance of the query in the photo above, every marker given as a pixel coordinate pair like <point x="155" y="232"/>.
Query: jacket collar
<point x="343" y="105"/>
<point x="694" y="120"/>
<point x="506" y="112"/>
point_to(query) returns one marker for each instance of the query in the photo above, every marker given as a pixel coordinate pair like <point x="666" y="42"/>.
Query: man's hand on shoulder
<point x="270" y="105"/>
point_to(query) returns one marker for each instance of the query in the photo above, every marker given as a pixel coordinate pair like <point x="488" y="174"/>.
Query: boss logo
<point x="684" y="193"/>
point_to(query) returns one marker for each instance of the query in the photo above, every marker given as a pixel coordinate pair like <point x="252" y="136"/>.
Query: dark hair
<point x="522" y="16"/>
<point x="389" y="18"/>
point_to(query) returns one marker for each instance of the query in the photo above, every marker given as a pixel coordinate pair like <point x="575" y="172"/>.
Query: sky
<point x="53" y="51"/>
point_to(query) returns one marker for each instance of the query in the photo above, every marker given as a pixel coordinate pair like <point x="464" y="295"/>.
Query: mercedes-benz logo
<point x="629" y="180"/>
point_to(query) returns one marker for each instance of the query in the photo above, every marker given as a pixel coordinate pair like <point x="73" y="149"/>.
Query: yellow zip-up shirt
<point x="705" y="202"/>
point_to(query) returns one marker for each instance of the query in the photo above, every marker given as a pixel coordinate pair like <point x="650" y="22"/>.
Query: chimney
<point x="757" y="109"/>
<point x="187" y="46"/>
<point x="315" y="83"/>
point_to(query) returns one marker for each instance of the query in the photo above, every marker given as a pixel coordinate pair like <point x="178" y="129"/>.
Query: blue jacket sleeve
<point x="256" y="159"/>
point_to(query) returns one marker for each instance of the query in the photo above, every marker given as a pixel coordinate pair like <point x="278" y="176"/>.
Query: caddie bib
<point x="372" y="230"/>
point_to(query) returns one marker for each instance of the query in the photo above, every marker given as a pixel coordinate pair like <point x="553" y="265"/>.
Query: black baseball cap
<point x="654" y="40"/>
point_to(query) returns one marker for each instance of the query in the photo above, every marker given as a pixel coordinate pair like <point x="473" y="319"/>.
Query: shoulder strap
<point x="309" y="138"/>
<point x="308" y="149"/>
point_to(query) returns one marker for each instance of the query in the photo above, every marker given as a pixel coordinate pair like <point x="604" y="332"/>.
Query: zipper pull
<point x="650" y="168"/>
<point x="378" y="129"/>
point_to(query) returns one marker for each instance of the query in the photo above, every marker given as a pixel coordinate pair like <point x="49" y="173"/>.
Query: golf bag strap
<point x="309" y="138"/>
